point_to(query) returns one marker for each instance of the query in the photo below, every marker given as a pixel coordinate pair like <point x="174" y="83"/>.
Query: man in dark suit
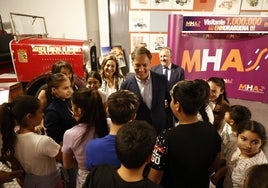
<point x="173" y="72"/>
<point x="151" y="88"/>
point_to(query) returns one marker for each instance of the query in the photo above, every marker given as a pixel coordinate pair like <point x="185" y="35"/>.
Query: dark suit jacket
<point x="177" y="73"/>
<point x="158" y="116"/>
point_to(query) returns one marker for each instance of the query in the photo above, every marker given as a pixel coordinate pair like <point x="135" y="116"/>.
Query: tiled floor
<point x="259" y="113"/>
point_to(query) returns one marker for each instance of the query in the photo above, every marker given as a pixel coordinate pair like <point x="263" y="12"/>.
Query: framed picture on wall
<point x="105" y="50"/>
<point x="161" y="4"/>
<point x="117" y="51"/>
<point x="182" y="4"/>
<point x="139" y="21"/>
<point x="264" y="5"/>
<point x="157" y="42"/>
<point x="227" y="7"/>
<point x="251" y="4"/>
<point x="203" y="5"/>
<point x="139" y="4"/>
<point x="139" y="39"/>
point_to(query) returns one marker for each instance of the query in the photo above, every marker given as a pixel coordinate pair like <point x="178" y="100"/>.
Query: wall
<point x="64" y="18"/>
<point x="119" y="22"/>
<point x="80" y="19"/>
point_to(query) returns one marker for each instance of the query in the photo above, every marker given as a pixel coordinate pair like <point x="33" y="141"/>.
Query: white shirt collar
<point x="169" y="67"/>
<point x="142" y="81"/>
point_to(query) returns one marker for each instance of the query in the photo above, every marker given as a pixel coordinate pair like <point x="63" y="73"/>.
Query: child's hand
<point x="9" y="176"/>
<point x="214" y="178"/>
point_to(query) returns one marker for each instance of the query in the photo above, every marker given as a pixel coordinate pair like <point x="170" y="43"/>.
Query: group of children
<point x="79" y="137"/>
<point x="243" y="139"/>
<point x="71" y="119"/>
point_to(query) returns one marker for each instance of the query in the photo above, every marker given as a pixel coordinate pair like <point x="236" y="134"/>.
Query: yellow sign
<point x="22" y="56"/>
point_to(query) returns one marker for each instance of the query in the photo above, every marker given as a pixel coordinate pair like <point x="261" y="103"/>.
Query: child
<point x="58" y="115"/>
<point x="134" y="145"/>
<point x="36" y="153"/>
<point x="10" y="173"/>
<point x="205" y="113"/>
<point x="94" y="81"/>
<point x="234" y="116"/>
<point x="58" y="67"/>
<point x="122" y="107"/>
<point x="190" y="150"/>
<point x="218" y="101"/>
<point x="250" y="141"/>
<point x="90" y="114"/>
<point x="257" y="177"/>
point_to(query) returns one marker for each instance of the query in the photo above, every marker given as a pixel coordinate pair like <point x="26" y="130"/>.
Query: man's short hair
<point x="134" y="143"/>
<point x="122" y="106"/>
<point x="191" y="94"/>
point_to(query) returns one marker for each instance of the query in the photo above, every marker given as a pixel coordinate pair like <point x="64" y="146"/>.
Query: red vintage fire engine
<point x="32" y="53"/>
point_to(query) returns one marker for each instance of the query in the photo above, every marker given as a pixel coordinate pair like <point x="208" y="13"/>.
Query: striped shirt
<point x="237" y="168"/>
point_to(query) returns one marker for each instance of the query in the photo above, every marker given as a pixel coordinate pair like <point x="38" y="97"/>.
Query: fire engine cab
<point x="32" y="53"/>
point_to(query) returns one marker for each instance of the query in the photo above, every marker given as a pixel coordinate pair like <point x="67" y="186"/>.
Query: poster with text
<point x="241" y="59"/>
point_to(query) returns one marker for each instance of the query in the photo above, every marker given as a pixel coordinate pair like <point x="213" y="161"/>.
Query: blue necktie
<point x="166" y="71"/>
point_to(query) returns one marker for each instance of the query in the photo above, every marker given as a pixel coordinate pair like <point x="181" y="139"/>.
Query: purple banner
<point x="241" y="62"/>
<point x="225" y="24"/>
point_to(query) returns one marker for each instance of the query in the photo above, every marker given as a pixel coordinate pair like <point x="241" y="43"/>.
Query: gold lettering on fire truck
<point x="22" y="56"/>
<point x="56" y="50"/>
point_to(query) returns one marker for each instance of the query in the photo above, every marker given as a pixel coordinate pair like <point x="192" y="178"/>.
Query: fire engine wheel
<point x="33" y="88"/>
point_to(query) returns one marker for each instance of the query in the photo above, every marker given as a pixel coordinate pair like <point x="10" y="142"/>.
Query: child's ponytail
<point x="12" y="114"/>
<point x="7" y="125"/>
